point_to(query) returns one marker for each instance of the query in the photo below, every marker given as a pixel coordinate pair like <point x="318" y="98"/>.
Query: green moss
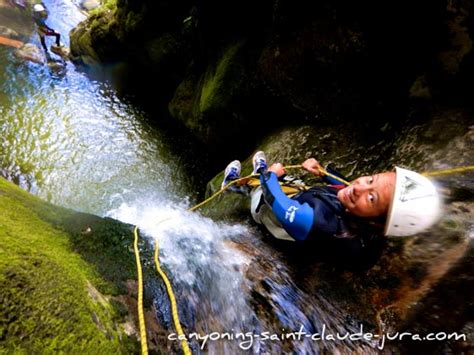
<point x="107" y="5"/>
<point x="132" y="21"/>
<point x="213" y="94"/>
<point x="159" y="48"/>
<point x="49" y="298"/>
<point x="81" y="45"/>
<point x="207" y="103"/>
<point x="182" y="105"/>
<point x="110" y="4"/>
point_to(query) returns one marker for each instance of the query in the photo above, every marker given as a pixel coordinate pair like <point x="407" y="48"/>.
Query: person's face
<point x="368" y="196"/>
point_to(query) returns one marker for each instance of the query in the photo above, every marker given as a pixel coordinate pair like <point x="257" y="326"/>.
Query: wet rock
<point x="452" y="73"/>
<point x="316" y="66"/>
<point x="89" y="5"/>
<point x="83" y="35"/>
<point x="445" y="310"/>
<point x="62" y="51"/>
<point x="30" y="52"/>
<point x="57" y="67"/>
<point x="116" y="28"/>
<point x="8" y="32"/>
<point x="210" y="104"/>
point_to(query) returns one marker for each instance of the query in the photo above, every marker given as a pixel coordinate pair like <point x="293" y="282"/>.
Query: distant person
<point x="399" y="203"/>
<point x="40" y="14"/>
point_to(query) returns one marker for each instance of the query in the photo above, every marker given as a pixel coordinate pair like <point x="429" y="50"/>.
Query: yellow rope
<point x="174" y="307"/>
<point x="324" y="171"/>
<point x="462" y="169"/>
<point x="233" y="182"/>
<point x="141" y="317"/>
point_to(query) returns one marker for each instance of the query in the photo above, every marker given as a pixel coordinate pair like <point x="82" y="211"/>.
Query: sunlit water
<point x="73" y="142"/>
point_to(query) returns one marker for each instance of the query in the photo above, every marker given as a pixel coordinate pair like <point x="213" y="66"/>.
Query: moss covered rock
<point x="61" y="273"/>
<point x="93" y="42"/>
<point x="210" y="104"/>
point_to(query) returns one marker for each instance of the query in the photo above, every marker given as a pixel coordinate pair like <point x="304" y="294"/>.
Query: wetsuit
<point x="316" y="216"/>
<point x="44" y="30"/>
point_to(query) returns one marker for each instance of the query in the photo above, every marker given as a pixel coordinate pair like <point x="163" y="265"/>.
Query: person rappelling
<point x="40" y="15"/>
<point x="397" y="203"/>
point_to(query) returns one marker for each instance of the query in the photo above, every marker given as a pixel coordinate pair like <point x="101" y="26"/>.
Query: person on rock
<point x="40" y="14"/>
<point x="348" y="219"/>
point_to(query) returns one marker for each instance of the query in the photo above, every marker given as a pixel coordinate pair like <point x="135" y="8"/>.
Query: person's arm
<point x="313" y="166"/>
<point x="296" y="218"/>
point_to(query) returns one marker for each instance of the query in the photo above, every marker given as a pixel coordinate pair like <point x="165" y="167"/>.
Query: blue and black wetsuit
<point x="317" y="216"/>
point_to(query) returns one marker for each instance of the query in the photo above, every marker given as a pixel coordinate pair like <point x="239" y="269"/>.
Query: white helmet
<point x="415" y="205"/>
<point x="38" y="8"/>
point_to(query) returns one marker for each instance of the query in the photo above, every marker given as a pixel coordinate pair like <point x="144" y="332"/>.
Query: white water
<point x="199" y="257"/>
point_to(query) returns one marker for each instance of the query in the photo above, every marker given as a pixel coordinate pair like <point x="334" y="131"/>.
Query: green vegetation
<point x="203" y="102"/>
<point x="107" y="5"/>
<point x="214" y="92"/>
<point x="54" y="265"/>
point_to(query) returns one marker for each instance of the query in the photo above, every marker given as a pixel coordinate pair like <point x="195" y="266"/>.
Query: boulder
<point x="8" y="32"/>
<point x="86" y="38"/>
<point x="30" y="52"/>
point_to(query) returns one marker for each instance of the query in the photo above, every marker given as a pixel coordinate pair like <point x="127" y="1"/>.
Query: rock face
<point x="63" y="278"/>
<point x="234" y="70"/>
<point x="211" y="104"/>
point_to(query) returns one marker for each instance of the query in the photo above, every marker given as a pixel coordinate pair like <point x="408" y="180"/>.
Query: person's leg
<point x="43" y="43"/>
<point x="256" y="202"/>
<point x="263" y="214"/>
<point x="58" y="38"/>
<point x="51" y="32"/>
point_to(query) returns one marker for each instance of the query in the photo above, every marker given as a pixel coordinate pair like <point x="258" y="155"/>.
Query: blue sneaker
<point x="232" y="172"/>
<point x="259" y="162"/>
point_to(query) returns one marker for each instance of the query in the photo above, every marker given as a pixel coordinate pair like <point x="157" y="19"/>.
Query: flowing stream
<point x="74" y="142"/>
